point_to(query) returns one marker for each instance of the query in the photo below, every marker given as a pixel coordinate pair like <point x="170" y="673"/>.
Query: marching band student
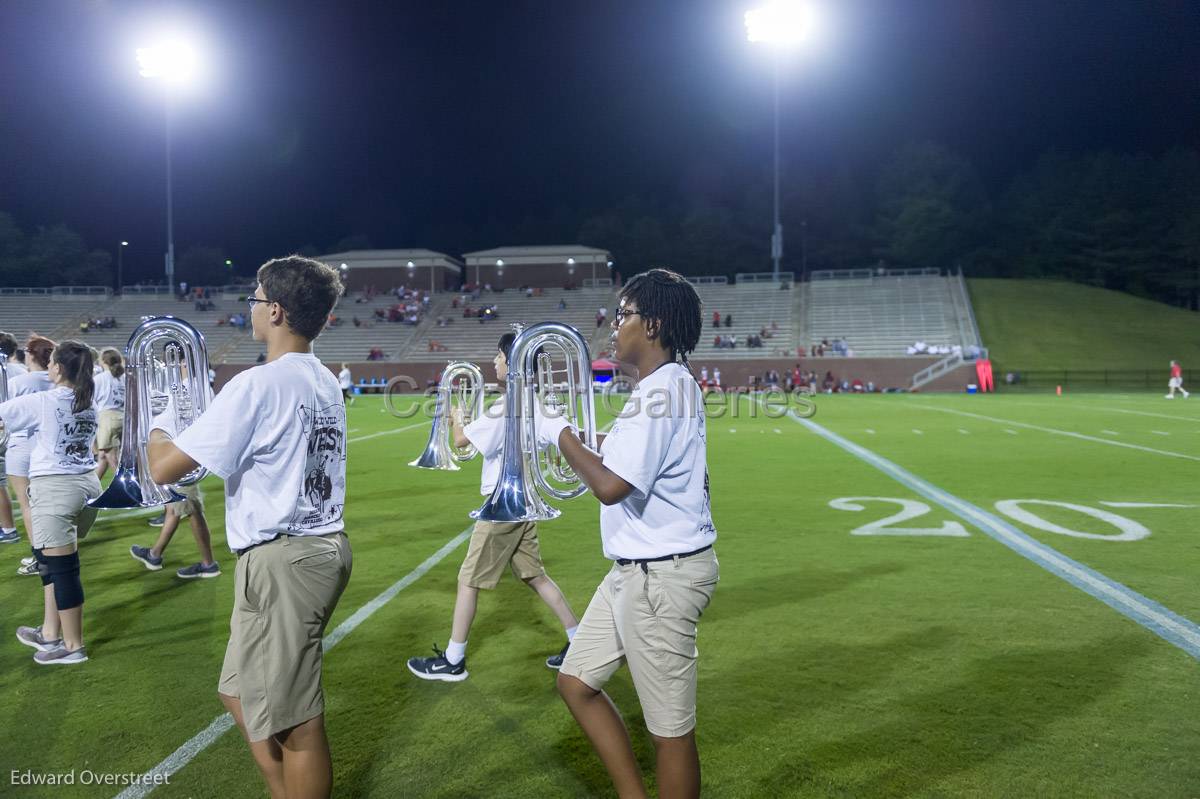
<point x="191" y="507"/>
<point x="16" y="460"/>
<point x="61" y="424"/>
<point x="346" y="382"/>
<point x="277" y="435"/>
<point x="12" y="369"/>
<point x="494" y="546"/>
<point x="110" y="405"/>
<point x="651" y="478"/>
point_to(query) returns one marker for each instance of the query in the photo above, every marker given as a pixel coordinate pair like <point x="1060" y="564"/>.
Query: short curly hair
<point x="306" y="289"/>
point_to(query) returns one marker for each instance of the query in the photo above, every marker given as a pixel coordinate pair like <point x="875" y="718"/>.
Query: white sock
<point x="571" y="632"/>
<point x="455" y="652"/>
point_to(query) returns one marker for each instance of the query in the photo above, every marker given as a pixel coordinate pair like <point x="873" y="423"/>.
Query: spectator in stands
<point x="857" y="386"/>
<point x="828" y="383"/>
<point x="728" y="320"/>
<point x="601" y="315"/>
<point x="716" y="318"/>
<point x="562" y="305"/>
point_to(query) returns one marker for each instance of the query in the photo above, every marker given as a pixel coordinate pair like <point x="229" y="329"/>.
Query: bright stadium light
<point x="173" y="60"/>
<point x="782" y="23"/>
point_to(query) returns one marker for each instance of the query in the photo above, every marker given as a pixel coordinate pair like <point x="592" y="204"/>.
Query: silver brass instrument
<point x="3" y="396"/>
<point x="440" y="452"/>
<point x="171" y="354"/>
<point x="528" y="467"/>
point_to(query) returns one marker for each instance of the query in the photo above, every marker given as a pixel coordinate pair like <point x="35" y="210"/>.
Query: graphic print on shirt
<point x="73" y="442"/>
<point x="323" y="493"/>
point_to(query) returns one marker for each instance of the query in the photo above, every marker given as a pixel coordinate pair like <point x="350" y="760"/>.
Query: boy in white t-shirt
<point x="494" y="546"/>
<point x="277" y="435"/>
<point x="347" y="384"/>
<point x="651" y="478"/>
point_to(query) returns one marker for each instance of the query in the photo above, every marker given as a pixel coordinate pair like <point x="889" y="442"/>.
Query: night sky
<point x="463" y="125"/>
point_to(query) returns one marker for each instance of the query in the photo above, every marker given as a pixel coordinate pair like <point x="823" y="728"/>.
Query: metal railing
<point x="58" y="291"/>
<point x="766" y="277"/>
<point x="860" y="274"/>
<point x="1080" y="379"/>
<point x="597" y="283"/>
<point x="708" y="280"/>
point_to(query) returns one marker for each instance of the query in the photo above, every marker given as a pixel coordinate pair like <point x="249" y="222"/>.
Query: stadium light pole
<point x="172" y="63"/>
<point x="782" y="25"/>
<point x="120" y="265"/>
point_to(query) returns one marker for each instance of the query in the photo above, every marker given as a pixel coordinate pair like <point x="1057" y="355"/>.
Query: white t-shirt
<point x="28" y="383"/>
<point x="110" y="392"/>
<point x="487" y="435"/>
<point x="344" y="379"/>
<point x="61" y="439"/>
<point x="277" y="435"/>
<point x="657" y="445"/>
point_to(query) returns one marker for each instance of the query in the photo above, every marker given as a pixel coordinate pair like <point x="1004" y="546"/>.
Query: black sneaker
<point x="157" y="521"/>
<point x="555" y="661"/>
<point x="438" y="668"/>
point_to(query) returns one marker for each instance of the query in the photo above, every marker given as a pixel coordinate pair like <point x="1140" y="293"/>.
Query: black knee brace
<point x="43" y="569"/>
<point x="64" y="574"/>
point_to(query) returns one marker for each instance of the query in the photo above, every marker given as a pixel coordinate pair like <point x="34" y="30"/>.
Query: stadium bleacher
<point x="753" y="306"/>
<point x="881" y="315"/>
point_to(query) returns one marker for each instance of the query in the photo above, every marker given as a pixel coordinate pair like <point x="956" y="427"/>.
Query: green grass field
<point x="833" y="662"/>
<point x="1054" y="324"/>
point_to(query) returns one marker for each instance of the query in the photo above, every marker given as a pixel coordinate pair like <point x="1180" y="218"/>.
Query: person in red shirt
<point x="1176" y="381"/>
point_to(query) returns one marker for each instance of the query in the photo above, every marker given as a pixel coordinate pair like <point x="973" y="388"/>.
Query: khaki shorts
<point x="495" y="545"/>
<point x="16" y="458"/>
<point x="284" y="593"/>
<point x="192" y="502"/>
<point x="111" y="428"/>
<point x="58" y="503"/>
<point x="648" y="619"/>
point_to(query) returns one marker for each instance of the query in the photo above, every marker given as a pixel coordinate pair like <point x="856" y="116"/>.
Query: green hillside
<point x="1053" y="324"/>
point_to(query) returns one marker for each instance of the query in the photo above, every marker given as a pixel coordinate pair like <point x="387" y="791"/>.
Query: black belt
<point x="244" y="550"/>
<point x="643" y="561"/>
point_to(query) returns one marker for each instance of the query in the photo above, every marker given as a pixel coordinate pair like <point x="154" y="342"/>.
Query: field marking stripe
<point x="1106" y="409"/>
<point x="386" y="432"/>
<point x="1057" y="432"/>
<point x="1169" y="626"/>
<point x="224" y="722"/>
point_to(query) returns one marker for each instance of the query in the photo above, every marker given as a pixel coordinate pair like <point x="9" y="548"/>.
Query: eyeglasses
<point x="622" y="313"/>
<point x="252" y="300"/>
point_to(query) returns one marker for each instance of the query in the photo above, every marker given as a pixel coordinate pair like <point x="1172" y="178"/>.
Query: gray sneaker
<point x="60" y="656"/>
<point x="146" y="558"/>
<point x="26" y="569"/>
<point x="199" y="570"/>
<point x="9" y="538"/>
<point x="28" y="560"/>
<point x="32" y="636"/>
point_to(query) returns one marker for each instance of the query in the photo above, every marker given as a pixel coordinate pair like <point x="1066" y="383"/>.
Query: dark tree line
<point x="1129" y="222"/>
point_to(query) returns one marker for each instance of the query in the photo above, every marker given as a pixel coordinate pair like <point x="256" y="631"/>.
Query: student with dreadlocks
<point x="651" y="478"/>
<point x="61" y="426"/>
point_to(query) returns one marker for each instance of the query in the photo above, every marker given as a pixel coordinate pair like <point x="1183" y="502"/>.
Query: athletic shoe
<point x="60" y="656"/>
<point x="438" y="668"/>
<point x="29" y="560"/>
<point x="9" y="538"/>
<point x="157" y="521"/>
<point x="1168" y="396"/>
<point x="555" y="661"/>
<point x="147" y="559"/>
<point x="32" y="636"/>
<point x="27" y="569"/>
<point x="199" y="570"/>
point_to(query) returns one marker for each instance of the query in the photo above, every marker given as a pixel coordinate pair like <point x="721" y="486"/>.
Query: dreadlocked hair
<point x="74" y="358"/>
<point x="668" y="299"/>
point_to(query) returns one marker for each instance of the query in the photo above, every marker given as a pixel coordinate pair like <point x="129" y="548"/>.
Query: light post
<point x="173" y="63"/>
<point x="782" y="24"/>
<point x="120" y="265"/>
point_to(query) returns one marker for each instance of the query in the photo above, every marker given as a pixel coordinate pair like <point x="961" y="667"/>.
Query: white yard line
<point x="1068" y="433"/>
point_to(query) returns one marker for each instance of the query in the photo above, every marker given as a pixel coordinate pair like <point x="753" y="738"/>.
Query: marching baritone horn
<point x="169" y="354"/>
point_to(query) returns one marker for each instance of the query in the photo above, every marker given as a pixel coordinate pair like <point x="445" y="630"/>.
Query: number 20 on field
<point x="1015" y="509"/>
